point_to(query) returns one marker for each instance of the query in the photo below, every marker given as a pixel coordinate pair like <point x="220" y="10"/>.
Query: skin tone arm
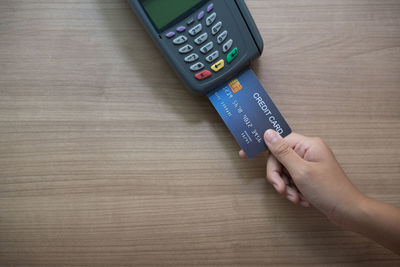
<point x="306" y="172"/>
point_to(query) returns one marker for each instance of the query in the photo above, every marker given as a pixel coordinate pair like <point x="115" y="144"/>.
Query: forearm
<point x="377" y="221"/>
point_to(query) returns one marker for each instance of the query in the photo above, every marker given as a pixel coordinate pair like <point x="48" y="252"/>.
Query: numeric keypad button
<point x="180" y="40"/>
<point x="227" y="46"/>
<point x="185" y="49"/>
<point x="191" y="58"/>
<point x="196" y="67"/>
<point x="207" y="48"/>
<point x="221" y="38"/>
<point x="212" y="57"/>
<point x="217" y="27"/>
<point x="210" y="19"/>
<point x="196" y="29"/>
<point x="201" y="39"/>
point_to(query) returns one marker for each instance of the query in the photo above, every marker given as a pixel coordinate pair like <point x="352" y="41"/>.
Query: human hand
<point x="305" y="170"/>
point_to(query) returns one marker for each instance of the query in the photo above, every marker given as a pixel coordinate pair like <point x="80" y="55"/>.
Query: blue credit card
<point x="248" y="112"/>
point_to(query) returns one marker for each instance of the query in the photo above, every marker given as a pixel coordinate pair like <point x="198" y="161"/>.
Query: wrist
<point x="356" y="212"/>
<point x="351" y="209"/>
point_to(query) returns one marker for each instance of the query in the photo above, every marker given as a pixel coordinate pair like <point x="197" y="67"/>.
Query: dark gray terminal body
<point x="208" y="44"/>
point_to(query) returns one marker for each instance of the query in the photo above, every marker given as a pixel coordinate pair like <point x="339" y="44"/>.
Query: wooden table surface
<point x="106" y="159"/>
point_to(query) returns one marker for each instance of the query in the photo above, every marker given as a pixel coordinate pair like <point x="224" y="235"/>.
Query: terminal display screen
<point x="164" y="12"/>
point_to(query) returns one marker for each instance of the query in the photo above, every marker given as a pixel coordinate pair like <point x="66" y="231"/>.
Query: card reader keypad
<point x="196" y="29"/>
<point x="191" y="58"/>
<point x="210" y="19"/>
<point x="201" y="39"/>
<point x="185" y="49"/>
<point x="180" y="40"/>
<point x="217" y="27"/>
<point x="205" y="43"/>
<point x="222" y="37"/>
<point x="207" y="48"/>
<point x="196" y="67"/>
<point x="212" y="57"/>
<point x="227" y="46"/>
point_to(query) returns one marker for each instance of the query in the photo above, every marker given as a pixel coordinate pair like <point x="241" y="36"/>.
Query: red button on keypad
<point x="202" y="75"/>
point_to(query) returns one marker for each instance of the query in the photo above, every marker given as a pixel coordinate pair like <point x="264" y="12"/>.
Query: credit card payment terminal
<point x="206" y="42"/>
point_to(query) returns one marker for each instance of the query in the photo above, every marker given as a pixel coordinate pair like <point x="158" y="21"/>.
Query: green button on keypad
<point x="232" y="55"/>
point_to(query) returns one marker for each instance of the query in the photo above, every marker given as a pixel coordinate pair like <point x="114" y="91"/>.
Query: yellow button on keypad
<point x="218" y="66"/>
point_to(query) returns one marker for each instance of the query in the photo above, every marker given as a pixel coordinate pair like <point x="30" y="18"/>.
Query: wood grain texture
<point x="105" y="159"/>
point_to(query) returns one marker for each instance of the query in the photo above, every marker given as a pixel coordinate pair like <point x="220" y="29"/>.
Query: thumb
<point x="283" y="152"/>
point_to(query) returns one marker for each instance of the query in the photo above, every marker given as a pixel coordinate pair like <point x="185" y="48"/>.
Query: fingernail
<point x="271" y="136"/>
